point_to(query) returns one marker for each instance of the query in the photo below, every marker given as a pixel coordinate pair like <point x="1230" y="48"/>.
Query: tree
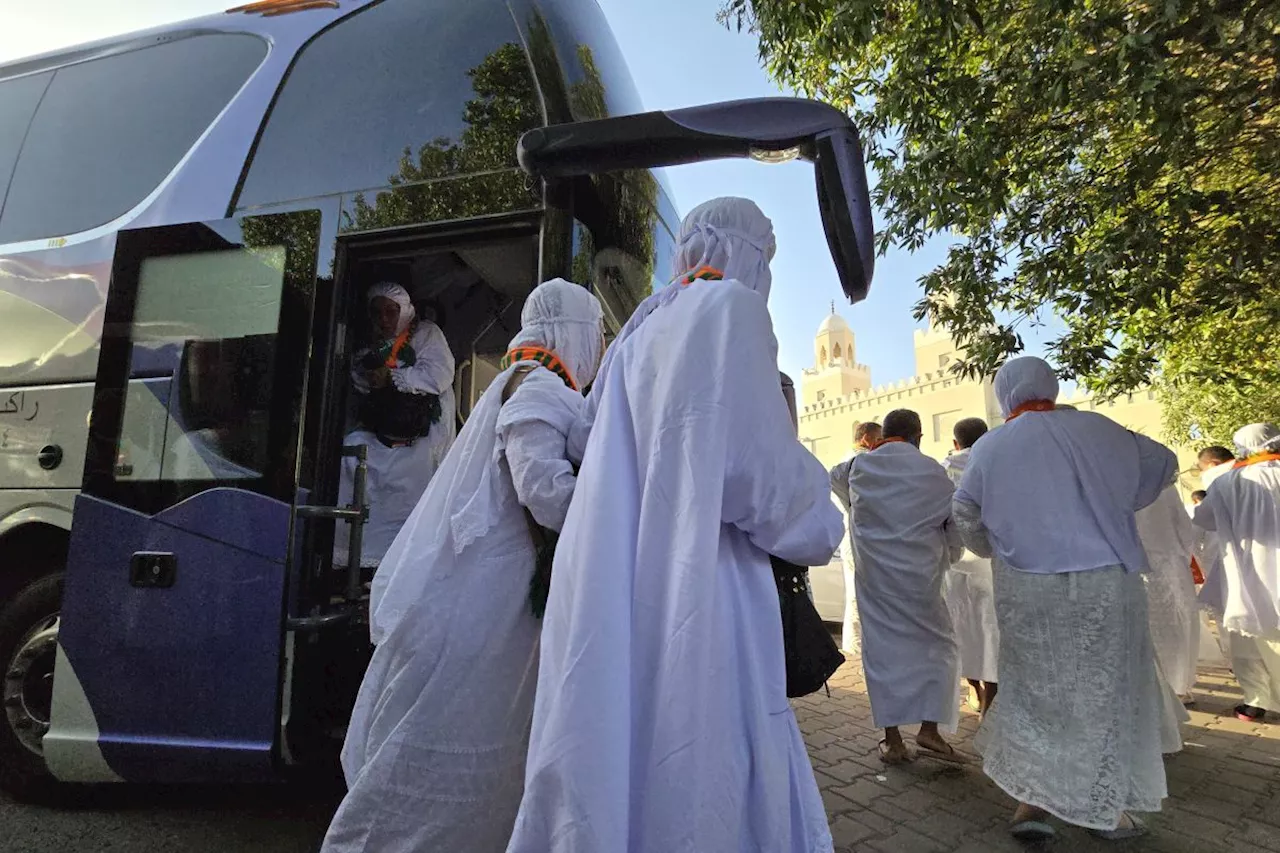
<point x="1210" y="412"/>
<point x="1116" y="163"/>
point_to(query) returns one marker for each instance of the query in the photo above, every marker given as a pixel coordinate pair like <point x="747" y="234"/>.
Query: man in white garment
<point x="662" y="722"/>
<point x="1052" y="495"/>
<point x="968" y="588"/>
<point x="404" y="387"/>
<point x="865" y="437"/>
<point x="1243" y="508"/>
<point x="1169" y="538"/>
<point x="435" y="752"/>
<point x="901" y="503"/>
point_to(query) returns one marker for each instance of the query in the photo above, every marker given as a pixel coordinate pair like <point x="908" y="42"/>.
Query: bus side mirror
<point x="845" y="204"/>
<point x="766" y="129"/>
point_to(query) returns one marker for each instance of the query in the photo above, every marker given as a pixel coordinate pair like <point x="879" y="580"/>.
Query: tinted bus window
<point x="448" y="95"/>
<point x="215" y="313"/>
<point x="109" y="131"/>
<point x="18" y="99"/>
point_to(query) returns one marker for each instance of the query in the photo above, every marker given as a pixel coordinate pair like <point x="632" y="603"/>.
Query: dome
<point x="834" y="323"/>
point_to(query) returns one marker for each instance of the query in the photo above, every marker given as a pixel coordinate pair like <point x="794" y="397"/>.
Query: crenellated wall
<point x="940" y="397"/>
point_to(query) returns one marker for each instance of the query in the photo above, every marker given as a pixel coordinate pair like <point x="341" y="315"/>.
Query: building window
<point x="822" y="355"/>
<point x="822" y="395"/>
<point x="835" y="353"/>
<point x="944" y="423"/>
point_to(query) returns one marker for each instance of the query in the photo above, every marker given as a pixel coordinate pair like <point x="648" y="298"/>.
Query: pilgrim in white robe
<point x="1079" y="724"/>
<point x="435" y="750"/>
<point x="1242" y="508"/>
<point x="1168" y="536"/>
<point x="1215" y="641"/>
<point x="399" y="475"/>
<point x="850" y="630"/>
<point x="901" y="532"/>
<point x="661" y="722"/>
<point x="969" y="591"/>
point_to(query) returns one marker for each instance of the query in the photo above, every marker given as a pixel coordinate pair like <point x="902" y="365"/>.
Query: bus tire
<point x="28" y="639"/>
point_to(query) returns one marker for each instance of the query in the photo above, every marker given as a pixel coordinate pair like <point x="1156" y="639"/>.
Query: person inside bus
<point x="404" y="388"/>
<point x="435" y="750"/>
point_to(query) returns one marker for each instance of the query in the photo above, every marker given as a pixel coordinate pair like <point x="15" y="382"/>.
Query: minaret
<point x="835" y="372"/>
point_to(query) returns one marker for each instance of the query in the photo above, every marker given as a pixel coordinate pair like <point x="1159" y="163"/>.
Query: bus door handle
<point x="153" y="570"/>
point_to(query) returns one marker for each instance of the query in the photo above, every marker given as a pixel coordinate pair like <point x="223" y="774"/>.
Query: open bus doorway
<point x="473" y="288"/>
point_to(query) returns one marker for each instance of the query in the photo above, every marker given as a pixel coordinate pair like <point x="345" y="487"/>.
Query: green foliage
<point x="1198" y="403"/>
<point x="1114" y="163"/>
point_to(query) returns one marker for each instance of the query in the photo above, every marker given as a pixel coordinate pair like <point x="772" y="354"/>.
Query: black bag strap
<point x="514" y="381"/>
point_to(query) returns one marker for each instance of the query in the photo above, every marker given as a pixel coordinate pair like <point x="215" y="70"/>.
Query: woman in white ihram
<point x="435" y="752"/>
<point x="662" y="723"/>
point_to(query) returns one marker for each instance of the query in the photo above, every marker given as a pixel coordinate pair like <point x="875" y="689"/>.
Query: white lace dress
<point x="1076" y="727"/>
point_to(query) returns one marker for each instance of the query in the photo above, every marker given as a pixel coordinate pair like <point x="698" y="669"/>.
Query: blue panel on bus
<point x="231" y="517"/>
<point x="183" y="680"/>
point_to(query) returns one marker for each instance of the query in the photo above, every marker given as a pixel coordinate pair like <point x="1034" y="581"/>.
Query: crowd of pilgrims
<point x="637" y="700"/>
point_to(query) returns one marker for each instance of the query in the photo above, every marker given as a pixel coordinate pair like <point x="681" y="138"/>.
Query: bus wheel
<point x="28" y="648"/>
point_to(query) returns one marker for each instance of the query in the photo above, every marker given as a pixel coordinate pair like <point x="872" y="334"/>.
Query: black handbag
<point x="812" y="656"/>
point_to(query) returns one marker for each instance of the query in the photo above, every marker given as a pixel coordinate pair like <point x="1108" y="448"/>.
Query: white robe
<point x="970" y="594"/>
<point x="399" y="475"/>
<point x="434" y="756"/>
<point x="1168" y="537"/>
<point x="901" y="532"/>
<point x="850" y="630"/>
<point x="1243" y="508"/>
<point x="661" y="723"/>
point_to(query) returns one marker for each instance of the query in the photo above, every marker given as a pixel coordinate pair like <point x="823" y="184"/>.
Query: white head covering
<point x="1257" y="438"/>
<point x="398" y="295"/>
<point x="731" y="235"/>
<point x="566" y="319"/>
<point x="1022" y="380"/>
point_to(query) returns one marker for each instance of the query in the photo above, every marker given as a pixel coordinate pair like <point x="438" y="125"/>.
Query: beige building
<point x="836" y="394"/>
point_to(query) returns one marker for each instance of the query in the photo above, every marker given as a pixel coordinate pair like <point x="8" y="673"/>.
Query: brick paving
<point x="1224" y="787"/>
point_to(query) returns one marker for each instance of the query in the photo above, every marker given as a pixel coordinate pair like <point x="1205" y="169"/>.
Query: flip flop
<point x="1135" y="829"/>
<point x="892" y="762"/>
<point x="1032" y="830"/>
<point x="951" y="756"/>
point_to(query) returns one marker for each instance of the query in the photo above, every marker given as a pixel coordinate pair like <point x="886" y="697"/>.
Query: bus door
<point x="170" y="641"/>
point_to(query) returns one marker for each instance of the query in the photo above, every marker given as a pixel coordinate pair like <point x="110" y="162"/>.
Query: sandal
<point x="1135" y="829"/>
<point x="951" y="756"/>
<point x="891" y="760"/>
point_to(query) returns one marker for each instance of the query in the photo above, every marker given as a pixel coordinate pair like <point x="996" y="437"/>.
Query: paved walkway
<point x="1224" y="787"/>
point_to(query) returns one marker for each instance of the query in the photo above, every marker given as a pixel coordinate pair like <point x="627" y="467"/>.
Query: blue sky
<point x="679" y="56"/>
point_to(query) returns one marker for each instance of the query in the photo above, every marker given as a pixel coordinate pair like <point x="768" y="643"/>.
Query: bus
<point x="189" y="217"/>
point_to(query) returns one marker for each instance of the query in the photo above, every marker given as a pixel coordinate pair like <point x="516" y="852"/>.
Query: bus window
<point x="625" y="248"/>
<point x="448" y="95"/>
<point x="213" y="317"/>
<point x="108" y="131"/>
<point x="18" y="100"/>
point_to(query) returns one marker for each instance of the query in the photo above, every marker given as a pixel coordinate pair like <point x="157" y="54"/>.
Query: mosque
<point x="836" y="394"/>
